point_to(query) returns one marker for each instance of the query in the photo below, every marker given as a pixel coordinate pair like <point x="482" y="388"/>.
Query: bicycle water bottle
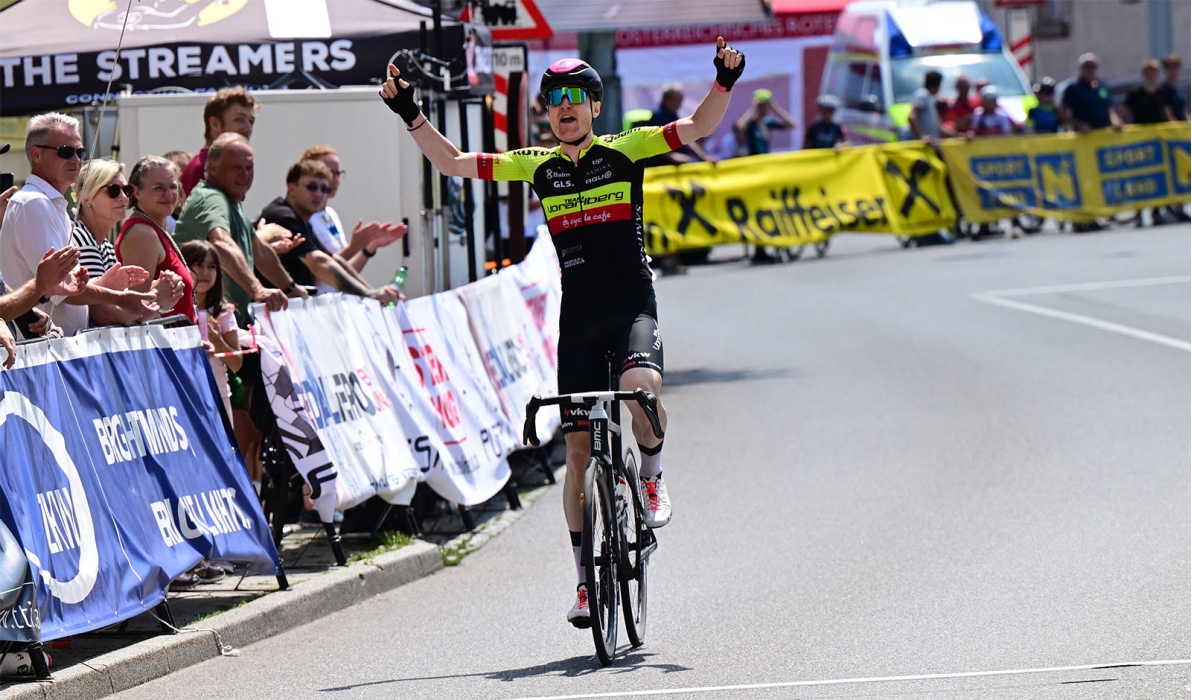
<point x="623" y="497"/>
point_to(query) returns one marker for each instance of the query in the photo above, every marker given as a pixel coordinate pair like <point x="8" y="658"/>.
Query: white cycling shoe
<point x="580" y="615"/>
<point x="657" y="503"/>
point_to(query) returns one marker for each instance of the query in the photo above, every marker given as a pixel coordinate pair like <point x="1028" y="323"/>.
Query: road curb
<point x="264" y="617"/>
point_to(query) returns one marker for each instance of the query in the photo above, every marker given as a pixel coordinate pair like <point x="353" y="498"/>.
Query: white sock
<point x="651" y="465"/>
<point x="577" y="552"/>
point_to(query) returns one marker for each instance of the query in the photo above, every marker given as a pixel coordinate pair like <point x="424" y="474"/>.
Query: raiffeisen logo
<point x="153" y="14"/>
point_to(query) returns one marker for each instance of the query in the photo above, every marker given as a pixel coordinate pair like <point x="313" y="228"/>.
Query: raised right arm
<point x="399" y="97"/>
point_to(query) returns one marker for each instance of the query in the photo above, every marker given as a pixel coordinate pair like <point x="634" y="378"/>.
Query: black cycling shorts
<point x="593" y="333"/>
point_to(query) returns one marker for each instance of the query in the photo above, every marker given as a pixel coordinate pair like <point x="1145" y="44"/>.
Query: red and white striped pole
<point x="1021" y="37"/>
<point x="501" y="109"/>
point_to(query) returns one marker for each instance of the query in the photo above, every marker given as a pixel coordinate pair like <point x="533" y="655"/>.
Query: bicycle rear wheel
<point x="600" y="554"/>
<point x="634" y="536"/>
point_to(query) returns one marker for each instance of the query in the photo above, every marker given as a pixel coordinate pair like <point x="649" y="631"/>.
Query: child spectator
<point x="217" y="318"/>
<point x="1044" y="118"/>
<point x="990" y="119"/>
<point x="825" y="132"/>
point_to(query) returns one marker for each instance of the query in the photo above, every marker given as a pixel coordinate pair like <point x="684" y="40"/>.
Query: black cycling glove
<point x="725" y="76"/>
<point x="403" y="105"/>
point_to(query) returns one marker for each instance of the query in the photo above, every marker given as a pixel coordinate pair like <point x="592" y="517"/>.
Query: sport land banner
<point x="1070" y="177"/>
<point x="331" y="379"/>
<point x="510" y="347"/>
<point x="118" y="476"/>
<point x="790" y="199"/>
<point x="465" y="436"/>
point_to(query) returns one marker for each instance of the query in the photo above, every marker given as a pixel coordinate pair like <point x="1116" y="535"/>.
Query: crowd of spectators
<point x="88" y="243"/>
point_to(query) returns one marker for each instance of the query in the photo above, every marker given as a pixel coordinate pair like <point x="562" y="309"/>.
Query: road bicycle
<point x="616" y="544"/>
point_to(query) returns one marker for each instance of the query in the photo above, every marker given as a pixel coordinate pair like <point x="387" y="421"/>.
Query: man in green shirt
<point x="214" y="212"/>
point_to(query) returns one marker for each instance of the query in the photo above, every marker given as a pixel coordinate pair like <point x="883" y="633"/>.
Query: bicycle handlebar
<point x="645" y="399"/>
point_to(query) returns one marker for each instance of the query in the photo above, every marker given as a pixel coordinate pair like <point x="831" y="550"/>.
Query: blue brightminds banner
<point x="117" y="475"/>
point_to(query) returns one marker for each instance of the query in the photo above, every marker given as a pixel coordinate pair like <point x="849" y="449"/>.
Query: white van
<point x="882" y="49"/>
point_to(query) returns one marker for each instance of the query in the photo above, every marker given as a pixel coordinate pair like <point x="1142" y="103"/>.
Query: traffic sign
<point x="510" y="20"/>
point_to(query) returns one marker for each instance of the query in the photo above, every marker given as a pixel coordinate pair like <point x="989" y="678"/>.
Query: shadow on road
<point x="702" y="375"/>
<point x="574" y="667"/>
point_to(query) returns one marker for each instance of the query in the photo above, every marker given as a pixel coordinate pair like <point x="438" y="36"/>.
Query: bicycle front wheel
<point x="633" y="564"/>
<point x="600" y="554"/>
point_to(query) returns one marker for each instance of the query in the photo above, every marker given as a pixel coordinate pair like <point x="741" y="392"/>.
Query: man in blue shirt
<point x="1086" y="101"/>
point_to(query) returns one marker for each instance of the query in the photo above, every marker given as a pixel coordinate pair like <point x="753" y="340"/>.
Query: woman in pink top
<point x="143" y="241"/>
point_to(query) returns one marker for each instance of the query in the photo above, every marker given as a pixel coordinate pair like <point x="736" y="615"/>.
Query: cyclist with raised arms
<point x="591" y="192"/>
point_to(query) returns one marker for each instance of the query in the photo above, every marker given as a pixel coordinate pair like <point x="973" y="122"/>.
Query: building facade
<point x="1123" y="33"/>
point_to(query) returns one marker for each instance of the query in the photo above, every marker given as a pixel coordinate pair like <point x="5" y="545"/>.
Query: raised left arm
<point x="729" y="63"/>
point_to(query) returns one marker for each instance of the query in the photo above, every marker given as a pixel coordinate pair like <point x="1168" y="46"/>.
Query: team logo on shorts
<point x="657" y="339"/>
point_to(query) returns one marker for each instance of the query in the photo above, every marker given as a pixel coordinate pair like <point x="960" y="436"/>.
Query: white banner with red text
<point x="321" y="378"/>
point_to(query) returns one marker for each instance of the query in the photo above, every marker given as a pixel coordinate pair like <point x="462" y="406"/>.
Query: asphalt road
<point x="877" y="472"/>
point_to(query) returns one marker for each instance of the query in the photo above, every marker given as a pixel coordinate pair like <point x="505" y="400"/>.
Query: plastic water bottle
<point x="399" y="281"/>
<point x="623" y="497"/>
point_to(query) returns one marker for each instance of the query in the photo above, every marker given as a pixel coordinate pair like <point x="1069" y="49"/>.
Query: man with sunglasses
<point x="308" y="185"/>
<point x="591" y="192"/>
<point x="37" y="220"/>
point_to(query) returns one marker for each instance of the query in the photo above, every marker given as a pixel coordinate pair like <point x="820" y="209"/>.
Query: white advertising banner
<point x="332" y="379"/>
<point x="510" y="347"/>
<point x="536" y="279"/>
<point x="463" y="436"/>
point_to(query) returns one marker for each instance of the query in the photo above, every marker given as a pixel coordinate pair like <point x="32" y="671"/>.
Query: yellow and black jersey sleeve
<point x="512" y="165"/>
<point x="645" y="142"/>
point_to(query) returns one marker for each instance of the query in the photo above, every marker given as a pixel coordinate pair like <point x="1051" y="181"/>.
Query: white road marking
<point x="846" y="681"/>
<point x="997" y="297"/>
<point x="1090" y="286"/>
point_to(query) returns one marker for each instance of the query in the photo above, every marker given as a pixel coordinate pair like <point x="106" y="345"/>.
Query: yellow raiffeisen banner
<point x="789" y="199"/>
<point x="1071" y="177"/>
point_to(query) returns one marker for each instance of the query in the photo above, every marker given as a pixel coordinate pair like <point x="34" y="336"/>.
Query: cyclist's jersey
<point x="594" y="207"/>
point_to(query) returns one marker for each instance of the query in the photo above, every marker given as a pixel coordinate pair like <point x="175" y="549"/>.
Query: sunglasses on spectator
<point x="113" y="190"/>
<point x="339" y="173"/>
<point x="316" y="187"/>
<point x="66" y="152"/>
<point x="574" y="95"/>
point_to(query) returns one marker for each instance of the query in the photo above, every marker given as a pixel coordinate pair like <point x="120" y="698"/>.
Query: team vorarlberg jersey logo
<point x="74" y="526"/>
<point x="153" y="14"/>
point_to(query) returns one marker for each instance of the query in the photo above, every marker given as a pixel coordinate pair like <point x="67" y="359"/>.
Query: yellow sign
<point x="1070" y="177"/>
<point x="789" y="199"/>
<point x="109" y="14"/>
